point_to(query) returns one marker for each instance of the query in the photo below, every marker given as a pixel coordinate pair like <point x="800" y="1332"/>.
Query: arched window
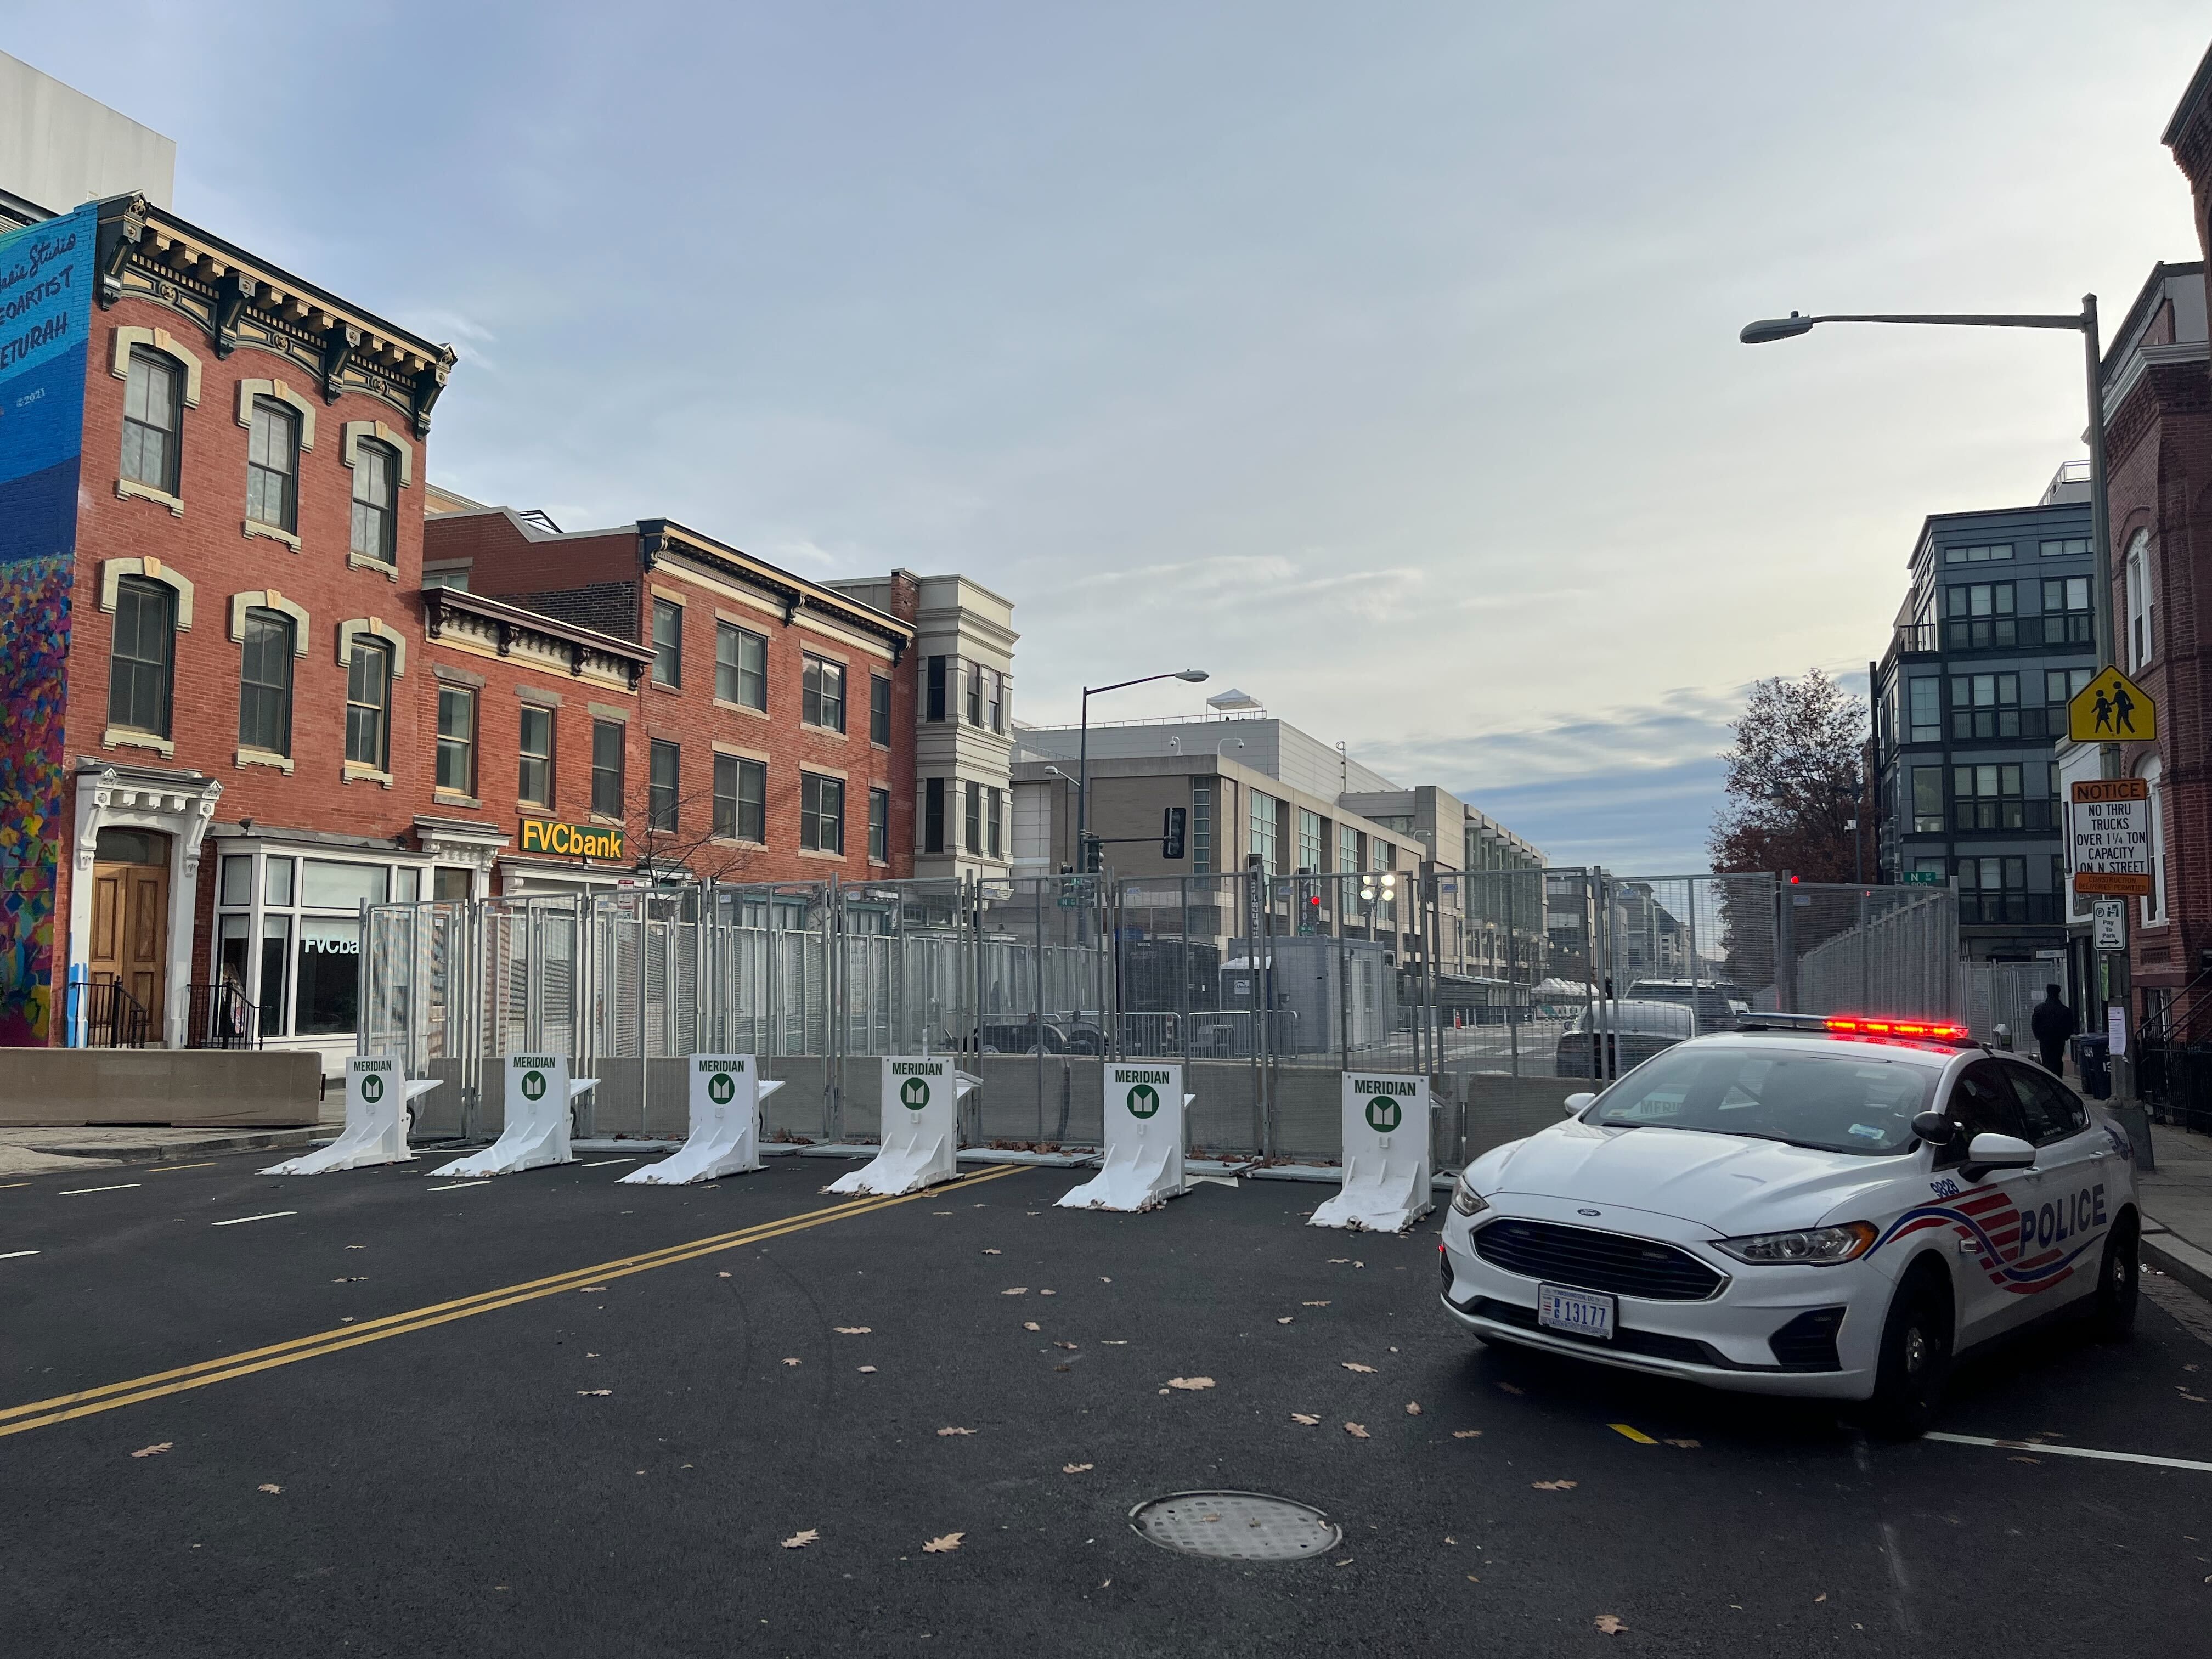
<point x="264" y="691"/>
<point x="153" y="401"/>
<point x="142" y="664"/>
<point x="375" y="483"/>
<point x="2141" y="639"/>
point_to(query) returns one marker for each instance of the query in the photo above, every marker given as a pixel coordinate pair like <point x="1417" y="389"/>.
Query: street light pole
<point x="1083" y="755"/>
<point x="2085" y="323"/>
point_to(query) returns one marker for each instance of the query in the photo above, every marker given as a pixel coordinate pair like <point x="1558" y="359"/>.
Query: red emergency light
<point x="1916" y="1030"/>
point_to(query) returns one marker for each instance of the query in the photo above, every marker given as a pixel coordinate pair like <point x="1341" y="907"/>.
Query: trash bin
<point x="2093" y="1059"/>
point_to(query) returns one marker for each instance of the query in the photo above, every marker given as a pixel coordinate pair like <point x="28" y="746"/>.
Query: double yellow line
<point x="43" y="1413"/>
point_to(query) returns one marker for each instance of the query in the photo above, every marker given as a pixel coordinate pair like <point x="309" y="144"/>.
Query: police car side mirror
<point x="1994" y="1151"/>
<point x="1934" y="1128"/>
<point x="1578" y="1104"/>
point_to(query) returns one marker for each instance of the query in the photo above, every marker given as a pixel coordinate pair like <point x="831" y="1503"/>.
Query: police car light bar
<point x="1921" y="1030"/>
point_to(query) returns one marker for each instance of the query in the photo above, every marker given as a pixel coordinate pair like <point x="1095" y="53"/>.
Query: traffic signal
<point x="1172" y="820"/>
<point x="1094" y="854"/>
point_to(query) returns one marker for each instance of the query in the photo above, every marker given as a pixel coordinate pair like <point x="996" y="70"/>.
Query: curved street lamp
<point x="1083" y="755"/>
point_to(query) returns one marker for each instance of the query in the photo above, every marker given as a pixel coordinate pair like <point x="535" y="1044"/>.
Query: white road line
<point x="2041" y="1449"/>
<point x="240" y="1220"/>
<point x="449" y="1186"/>
<point x="9" y="1256"/>
<point x="75" y="1191"/>
<point x="603" y="1162"/>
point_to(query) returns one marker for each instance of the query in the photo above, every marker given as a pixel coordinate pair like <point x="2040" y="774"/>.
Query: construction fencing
<point x="1494" y="984"/>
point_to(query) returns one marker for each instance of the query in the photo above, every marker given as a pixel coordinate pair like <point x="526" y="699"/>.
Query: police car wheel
<point x="1916" y="1359"/>
<point x="2119" y="1284"/>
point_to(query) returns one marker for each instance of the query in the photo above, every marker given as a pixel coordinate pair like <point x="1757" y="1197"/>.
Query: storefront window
<point x="330" y="886"/>
<point x="302" y="970"/>
<point x="330" y="977"/>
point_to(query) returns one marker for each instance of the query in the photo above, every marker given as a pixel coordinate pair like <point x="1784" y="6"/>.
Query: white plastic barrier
<point x="921" y="1128"/>
<point x="1145" y="1110"/>
<point x="540" y="1096"/>
<point x="726" y="1095"/>
<point x="379" y="1113"/>
<point x="1386" y="1154"/>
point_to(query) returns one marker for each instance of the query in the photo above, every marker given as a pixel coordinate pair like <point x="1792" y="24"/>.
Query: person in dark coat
<point x="2052" y="1023"/>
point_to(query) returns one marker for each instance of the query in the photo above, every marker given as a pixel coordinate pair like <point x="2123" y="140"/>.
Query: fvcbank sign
<point x="570" y="840"/>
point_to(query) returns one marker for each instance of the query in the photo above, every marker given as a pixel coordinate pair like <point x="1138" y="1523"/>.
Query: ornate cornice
<point x="661" y="538"/>
<point x="511" y="631"/>
<point x="237" y="299"/>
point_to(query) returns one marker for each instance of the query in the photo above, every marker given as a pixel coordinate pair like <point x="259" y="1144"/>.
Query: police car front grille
<point x="1592" y="1261"/>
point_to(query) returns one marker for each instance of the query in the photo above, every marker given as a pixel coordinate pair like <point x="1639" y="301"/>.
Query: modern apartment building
<point x="1993" y="638"/>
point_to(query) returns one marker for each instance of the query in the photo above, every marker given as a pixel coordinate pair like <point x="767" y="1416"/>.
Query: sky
<point x="1380" y="361"/>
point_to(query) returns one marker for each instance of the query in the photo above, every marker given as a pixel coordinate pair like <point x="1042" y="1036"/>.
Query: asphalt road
<point x="608" y="1457"/>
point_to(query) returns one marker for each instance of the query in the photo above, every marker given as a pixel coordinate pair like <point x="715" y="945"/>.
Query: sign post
<point x="2109" y="834"/>
<point x="1142" y="1168"/>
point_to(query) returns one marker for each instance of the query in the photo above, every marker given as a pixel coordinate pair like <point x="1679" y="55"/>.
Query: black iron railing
<point x="221" y="1017"/>
<point x="112" y="1018"/>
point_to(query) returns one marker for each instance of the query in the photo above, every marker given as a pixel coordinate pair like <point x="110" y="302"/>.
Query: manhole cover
<point x="1236" y="1526"/>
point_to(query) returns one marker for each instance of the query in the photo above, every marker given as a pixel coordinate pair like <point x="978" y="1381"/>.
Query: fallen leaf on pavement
<point x="942" y="1433"/>
<point x="271" y="1489"/>
<point x="1109" y="1281"/>
<point x="1354" y="1365"/>
<point x="1553" y="1486"/>
<point x="363" y="1247"/>
<point x="1822" y="1597"/>
<point x="1412" y="1409"/>
<point x="2023" y="1460"/>
<point x="1285" y="1320"/>
<point x="1509" y="1388"/>
<point x="1337" y="1261"/>
<point x="1190" y="1382"/>
<point x="154" y="1451"/>
<point x="599" y="1392"/>
<point x="1358" y="1430"/>
<point x="1031" y="1325"/>
<point x="790" y="1362"/>
<point x="1113" y="1341"/>
<point x="944" y="1545"/>
<point x="1313" y="1304"/>
<point x="1608" y="1624"/>
<point x="1018" y="1290"/>
<point x="799" y="1540"/>
<point x="1075" y="1468"/>
<point x="1306" y="1418"/>
<point x="1686" y="1445"/>
<point x="1471" y="1579"/>
<point x="1063" y="1345"/>
<point x="992" y="1253"/>
<point x="868" y="1368"/>
<point x="1466" y="1434"/>
<point x="853" y="1330"/>
<point x="721" y="1275"/>
<point x="2186" y="1395"/>
<point x="589" y="1289"/>
<point x="1048" y="1292"/>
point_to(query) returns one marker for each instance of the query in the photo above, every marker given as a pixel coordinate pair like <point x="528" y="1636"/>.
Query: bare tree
<point x="1794" y="781"/>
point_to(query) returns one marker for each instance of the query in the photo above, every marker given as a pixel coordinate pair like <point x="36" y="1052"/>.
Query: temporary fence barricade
<point x="921" y="1128"/>
<point x="726" y="1095"/>
<point x="1145" y="1136"/>
<point x="379" y="1111"/>
<point x="1386" y="1154"/>
<point x="540" y="1096"/>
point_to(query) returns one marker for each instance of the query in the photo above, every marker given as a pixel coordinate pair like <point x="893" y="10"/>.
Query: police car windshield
<point x="1834" y="1101"/>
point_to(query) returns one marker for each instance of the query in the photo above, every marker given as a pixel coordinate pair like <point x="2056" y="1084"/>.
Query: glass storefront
<point x="288" y="926"/>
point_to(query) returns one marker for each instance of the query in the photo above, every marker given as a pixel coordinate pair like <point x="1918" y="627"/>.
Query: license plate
<point x="1581" y="1313"/>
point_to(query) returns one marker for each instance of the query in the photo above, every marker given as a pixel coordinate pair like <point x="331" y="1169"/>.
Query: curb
<point x="2166" y="1251"/>
<point x="146" y="1153"/>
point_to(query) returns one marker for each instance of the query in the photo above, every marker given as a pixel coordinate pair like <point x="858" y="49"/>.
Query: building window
<point x="995" y="700"/>
<point x="932" y="815"/>
<point x="663" y="777"/>
<point x="822" y="694"/>
<point x="1924" y="707"/>
<point x="535" y="748"/>
<point x="375" y="481"/>
<point x="310" y="935"/>
<point x="1987" y="797"/>
<point x="1979" y="616"/>
<point x="272" y="465"/>
<point x="2062" y="686"/>
<point x="1976" y="555"/>
<point x="2072" y="547"/>
<point x="2142" y="613"/>
<point x="2066" y="618"/>
<point x="1984" y="706"/>
<point x="265" y="683"/>
<point x="934" y="700"/>
<point x="1201" y="828"/>
<point x="457" y="740"/>
<point x="2153" y="904"/>
<point x="368" y="703"/>
<point x="607" y="743"/>
<point x="995" y="821"/>
<point x="879" y="710"/>
<point x="972" y="817"/>
<point x="1263" y="831"/>
<point x="1927" y="800"/>
<point x="667" y="643"/>
<point x="150" y="420"/>
<point x="1310" y="857"/>
<point x="879" y="825"/>
<point x="1993" y="889"/>
<point x="456" y="578"/>
<point x="740" y="799"/>
<point x="974" y="693"/>
<point x="140" y="666"/>
<point x="821" y="813"/>
<point x="740" y="666"/>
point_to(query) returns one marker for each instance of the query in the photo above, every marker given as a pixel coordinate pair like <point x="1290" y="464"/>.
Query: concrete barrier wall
<point x="180" y="1088"/>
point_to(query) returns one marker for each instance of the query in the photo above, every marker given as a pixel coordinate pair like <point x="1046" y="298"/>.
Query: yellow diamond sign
<point x="2110" y="708"/>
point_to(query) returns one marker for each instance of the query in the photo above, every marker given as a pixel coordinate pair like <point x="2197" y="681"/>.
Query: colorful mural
<point x="46" y="277"/>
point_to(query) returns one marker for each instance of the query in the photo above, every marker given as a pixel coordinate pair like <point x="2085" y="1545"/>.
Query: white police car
<point x="1804" y="1206"/>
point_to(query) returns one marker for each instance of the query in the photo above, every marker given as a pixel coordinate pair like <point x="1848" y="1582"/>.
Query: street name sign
<point x="2112" y="707"/>
<point x="2110" y="830"/>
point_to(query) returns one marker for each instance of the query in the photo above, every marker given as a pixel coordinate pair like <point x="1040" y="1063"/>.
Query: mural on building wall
<point x="46" y="276"/>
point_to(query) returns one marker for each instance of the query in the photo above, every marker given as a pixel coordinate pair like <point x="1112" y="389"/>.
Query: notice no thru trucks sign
<point x="2110" y="830"/>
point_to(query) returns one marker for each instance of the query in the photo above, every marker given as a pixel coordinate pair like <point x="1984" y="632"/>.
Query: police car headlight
<point x="1822" y="1247"/>
<point x="1465" y="1199"/>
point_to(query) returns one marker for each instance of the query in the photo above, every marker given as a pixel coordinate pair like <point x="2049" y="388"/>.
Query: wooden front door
<point x="131" y="917"/>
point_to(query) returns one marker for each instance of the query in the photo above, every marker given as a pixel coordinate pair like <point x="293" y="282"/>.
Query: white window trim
<point x="112" y="571"/>
<point x="268" y="598"/>
<point x="278" y="391"/>
<point x="384" y="633"/>
<point x="355" y="431"/>
<point x="155" y="339"/>
<point x="2154" y="909"/>
<point x="2141" y="603"/>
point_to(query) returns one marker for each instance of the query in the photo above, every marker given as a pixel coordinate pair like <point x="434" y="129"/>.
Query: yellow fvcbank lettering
<point x="571" y="840"/>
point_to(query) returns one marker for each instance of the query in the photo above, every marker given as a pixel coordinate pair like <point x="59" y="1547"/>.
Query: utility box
<point x="1325" y="994"/>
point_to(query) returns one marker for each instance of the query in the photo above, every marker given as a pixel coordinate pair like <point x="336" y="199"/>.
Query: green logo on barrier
<point x="1144" y="1100"/>
<point x="913" y="1094"/>
<point x="533" y="1086"/>
<point x="721" y="1088"/>
<point x="1383" y="1114"/>
<point x="372" y="1088"/>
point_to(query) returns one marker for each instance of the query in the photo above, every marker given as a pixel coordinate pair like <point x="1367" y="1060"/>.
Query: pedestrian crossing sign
<point x="2110" y="708"/>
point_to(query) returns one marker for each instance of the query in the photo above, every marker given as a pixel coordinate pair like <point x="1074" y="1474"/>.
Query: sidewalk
<point x="44" y="1152"/>
<point x="2176" y="1205"/>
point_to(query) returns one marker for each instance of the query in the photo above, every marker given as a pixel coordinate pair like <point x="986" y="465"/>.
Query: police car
<point x="1816" y="1206"/>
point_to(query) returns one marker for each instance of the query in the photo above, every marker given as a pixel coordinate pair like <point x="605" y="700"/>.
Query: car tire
<point x="2119" y="1283"/>
<point x="1917" y="1340"/>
